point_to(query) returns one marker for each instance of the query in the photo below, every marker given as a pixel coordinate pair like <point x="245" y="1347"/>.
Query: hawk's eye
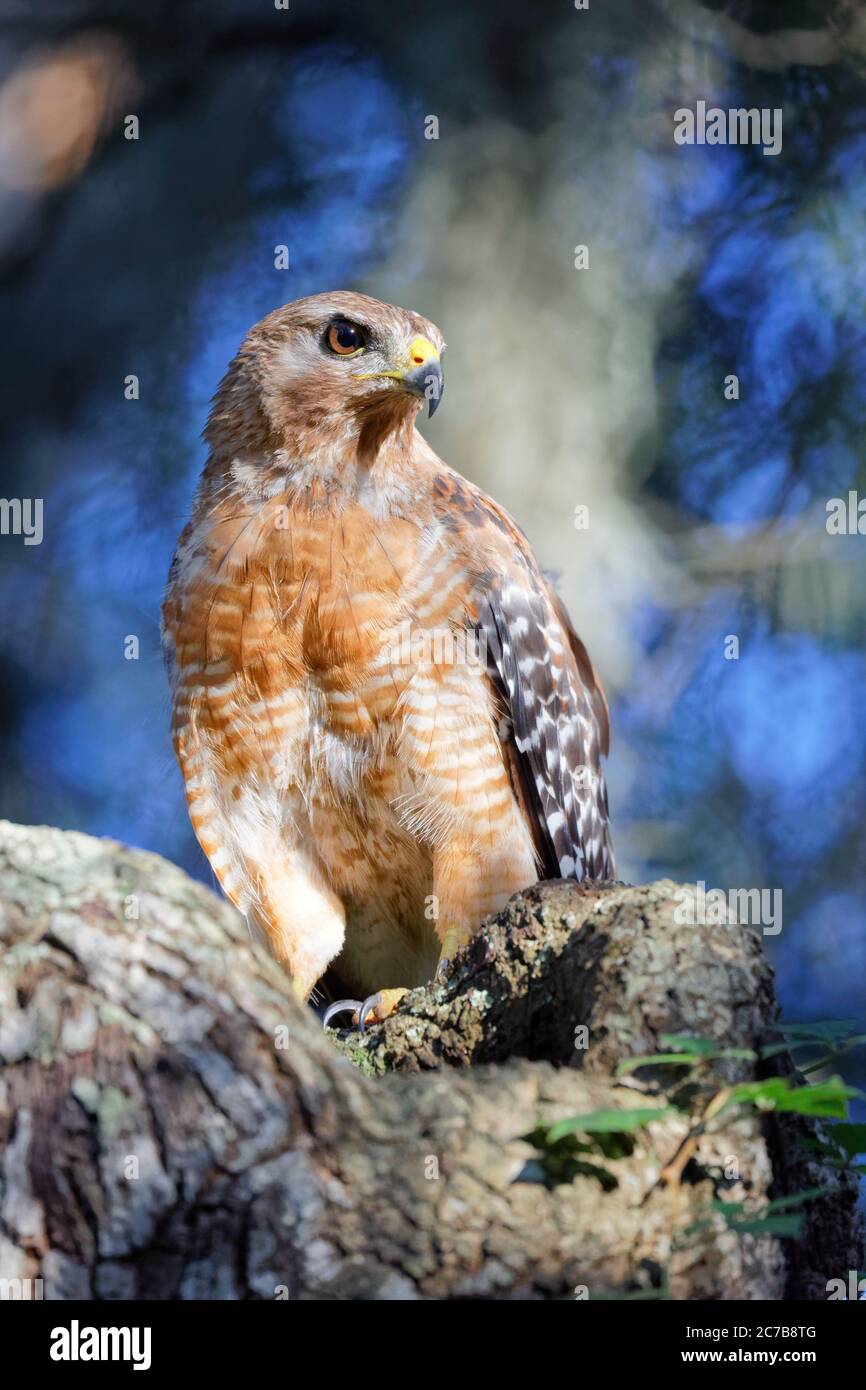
<point x="344" y="338"/>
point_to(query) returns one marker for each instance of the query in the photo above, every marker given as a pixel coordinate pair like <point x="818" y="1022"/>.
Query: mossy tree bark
<point x="174" y="1125"/>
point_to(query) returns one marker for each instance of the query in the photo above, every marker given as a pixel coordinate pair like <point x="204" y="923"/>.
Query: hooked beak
<point x="426" y="380"/>
<point x="420" y="375"/>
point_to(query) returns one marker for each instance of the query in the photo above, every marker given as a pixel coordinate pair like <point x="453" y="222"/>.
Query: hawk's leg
<point x="471" y="880"/>
<point x="474" y="877"/>
<point x="284" y="894"/>
<point x="453" y="940"/>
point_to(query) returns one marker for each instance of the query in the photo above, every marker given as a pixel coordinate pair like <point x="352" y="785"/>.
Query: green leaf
<point x="679" y="1042"/>
<point x="844" y="1047"/>
<point x="608" y="1122"/>
<point x="687" y="1052"/>
<point x="727" y="1209"/>
<point x="768" y="1226"/>
<point x="706" y="1048"/>
<point x="766" y="1222"/>
<point x="657" y="1059"/>
<point x="774" y="1049"/>
<point x="796" y="1199"/>
<point x="851" y="1137"/>
<point x="822" y="1029"/>
<point x="828" y="1098"/>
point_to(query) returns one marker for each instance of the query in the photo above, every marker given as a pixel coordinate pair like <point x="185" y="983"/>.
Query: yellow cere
<point x="420" y="351"/>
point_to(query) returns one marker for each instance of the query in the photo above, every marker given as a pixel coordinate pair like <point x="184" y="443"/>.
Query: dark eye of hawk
<point x="344" y="338"/>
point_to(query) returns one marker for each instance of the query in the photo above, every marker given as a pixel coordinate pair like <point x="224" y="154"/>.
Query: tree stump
<point x="174" y="1125"/>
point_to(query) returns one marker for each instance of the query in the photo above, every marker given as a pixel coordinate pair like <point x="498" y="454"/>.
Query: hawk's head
<point x="329" y="369"/>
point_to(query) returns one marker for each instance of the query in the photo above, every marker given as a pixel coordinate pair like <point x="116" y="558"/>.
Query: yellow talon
<point x="378" y="1007"/>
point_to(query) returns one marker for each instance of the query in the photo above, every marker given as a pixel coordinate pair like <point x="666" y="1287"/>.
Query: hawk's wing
<point x="555" y="726"/>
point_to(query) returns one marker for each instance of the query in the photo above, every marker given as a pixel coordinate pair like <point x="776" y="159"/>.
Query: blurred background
<point x="601" y="387"/>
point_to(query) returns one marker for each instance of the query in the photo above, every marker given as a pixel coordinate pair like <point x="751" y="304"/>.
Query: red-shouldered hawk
<point x="385" y="721"/>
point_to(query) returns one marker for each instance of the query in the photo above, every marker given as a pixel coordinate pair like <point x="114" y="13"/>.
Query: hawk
<point x="385" y="721"/>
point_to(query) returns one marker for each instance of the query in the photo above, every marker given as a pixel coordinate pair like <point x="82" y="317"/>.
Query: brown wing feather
<point x="555" y="726"/>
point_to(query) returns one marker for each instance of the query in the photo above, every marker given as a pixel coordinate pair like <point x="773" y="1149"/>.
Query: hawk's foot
<point x="378" y="1007"/>
<point x="375" y="1009"/>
